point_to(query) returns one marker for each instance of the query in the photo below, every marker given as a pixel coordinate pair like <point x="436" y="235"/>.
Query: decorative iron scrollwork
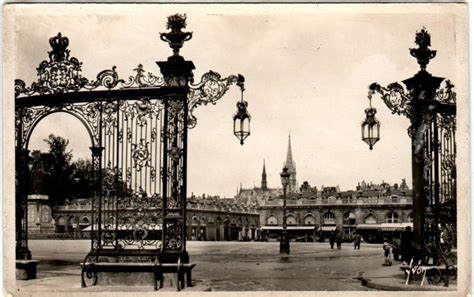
<point x="446" y="94"/>
<point x="140" y="154"/>
<point x="210" y="89"/>
<point x="87" y="113"/>
<point x="140" y="80"/>
<point x="394" y="96"/>
<point x="63" y="74"/>
<point x="106" y="78"/>
<point x="173" y="240"/>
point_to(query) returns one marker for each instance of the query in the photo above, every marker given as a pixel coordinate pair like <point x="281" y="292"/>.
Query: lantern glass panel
<point x="370" y="129"/>
<point x="242" y="128"/>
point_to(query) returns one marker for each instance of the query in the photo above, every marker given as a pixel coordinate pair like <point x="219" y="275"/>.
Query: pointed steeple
<point x="289" y="155"/>
<point x="290" y="164"/>
<point x="264" y="177"/>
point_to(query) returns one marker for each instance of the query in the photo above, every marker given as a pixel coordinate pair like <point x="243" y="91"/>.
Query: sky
<point x="307" y="69"/>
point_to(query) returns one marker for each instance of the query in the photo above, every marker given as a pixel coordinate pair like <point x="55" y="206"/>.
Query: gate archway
<point x="138" y="129"/>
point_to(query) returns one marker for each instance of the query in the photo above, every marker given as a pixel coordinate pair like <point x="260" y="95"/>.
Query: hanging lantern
<point x="285" y="177"/>
<point x="242" y="117"/>
<point x="371" y="126"/>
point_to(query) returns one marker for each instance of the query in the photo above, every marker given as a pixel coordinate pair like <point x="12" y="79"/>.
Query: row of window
<point x="85" y="220"/>
<point x="330" y="218"/>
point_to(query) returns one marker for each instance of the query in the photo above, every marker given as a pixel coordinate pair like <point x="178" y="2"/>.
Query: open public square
<point x="127" y="176"/>
<point x="225" y="266"/>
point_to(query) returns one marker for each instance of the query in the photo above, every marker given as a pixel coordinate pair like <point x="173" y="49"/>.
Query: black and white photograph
<point x="284" y="149"/>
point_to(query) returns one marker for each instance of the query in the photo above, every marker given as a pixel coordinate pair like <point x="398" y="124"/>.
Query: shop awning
<point x="368" y="226"/>
<point x="394" y="226"/>
<point x="327" y="228"/>
<point x="289" y="228"/>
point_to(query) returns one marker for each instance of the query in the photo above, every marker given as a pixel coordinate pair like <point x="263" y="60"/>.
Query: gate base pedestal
<point x="26" y="269"/>
<point x="125" y="279"/>
<point x="117" y="279"/>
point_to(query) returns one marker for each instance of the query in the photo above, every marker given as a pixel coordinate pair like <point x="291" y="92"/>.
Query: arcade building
<point x="372" y="210"/>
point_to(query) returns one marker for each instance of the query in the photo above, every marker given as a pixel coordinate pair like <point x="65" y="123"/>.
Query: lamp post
<point x="284" y="240"/>
<point x="431" y="110"/>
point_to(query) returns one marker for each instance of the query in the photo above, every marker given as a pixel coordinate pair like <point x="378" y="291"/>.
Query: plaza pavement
<point x="228" y="266"/>
<point x="392" y="278"/>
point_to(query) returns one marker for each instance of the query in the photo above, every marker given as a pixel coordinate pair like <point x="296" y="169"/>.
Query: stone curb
<point x="386" y="284"/>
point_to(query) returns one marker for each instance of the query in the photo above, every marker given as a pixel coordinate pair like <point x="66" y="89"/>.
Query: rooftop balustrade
<point x="344" y="201"/>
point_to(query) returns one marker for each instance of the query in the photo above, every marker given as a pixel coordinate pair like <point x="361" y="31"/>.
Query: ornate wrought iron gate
<point x="432" y="112"/>
<point x="138" y="131"/>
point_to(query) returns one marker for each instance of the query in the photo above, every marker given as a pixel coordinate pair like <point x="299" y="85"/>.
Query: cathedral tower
<point x="290" y="164"/>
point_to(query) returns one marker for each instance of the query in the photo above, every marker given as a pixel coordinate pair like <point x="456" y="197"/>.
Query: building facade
<point x="369" y="212"/>
<point x="208" y="218"/>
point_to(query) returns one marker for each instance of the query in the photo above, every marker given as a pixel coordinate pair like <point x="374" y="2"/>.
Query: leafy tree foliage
<point x="51" y="172"/>
<point x="56" y="175"/>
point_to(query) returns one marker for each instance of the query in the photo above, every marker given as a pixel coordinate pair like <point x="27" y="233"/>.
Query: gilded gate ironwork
<point x="430" y="104"/>
<point x="138" y="132"/>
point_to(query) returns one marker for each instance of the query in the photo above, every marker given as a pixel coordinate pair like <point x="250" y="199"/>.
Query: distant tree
<point x="51" y="172"/>
<point x="56" y="175"/>
<point x="39" y="173"/>
<point x="82" y="178"/>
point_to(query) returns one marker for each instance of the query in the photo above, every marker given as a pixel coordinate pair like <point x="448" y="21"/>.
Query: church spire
<point x="264" y="177"/>
<point x="289" y="155"/>
<point x="290" y="164"/>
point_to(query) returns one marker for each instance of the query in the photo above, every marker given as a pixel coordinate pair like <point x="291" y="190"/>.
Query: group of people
<point x="406" y="245"/>
<point x="336" y="236"/>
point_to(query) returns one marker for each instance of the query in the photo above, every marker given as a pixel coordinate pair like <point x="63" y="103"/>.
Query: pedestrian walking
<point x="406" y="245"/>
<point x="387" y="251"/>
<point x="357" y="240"/>
<point x="338" y="238"/>
<point x="332" y="238"/>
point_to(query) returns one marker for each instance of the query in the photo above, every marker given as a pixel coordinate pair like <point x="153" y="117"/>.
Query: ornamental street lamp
<point x="370" y="126"/>
<point x="432" y="113"/>
<point x="284" y="240"/>
<point x="242" y="117"/>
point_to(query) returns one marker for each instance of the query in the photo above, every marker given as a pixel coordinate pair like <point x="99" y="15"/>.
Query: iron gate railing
<point x="138" y="131"/>
<point x="430" y="104"/>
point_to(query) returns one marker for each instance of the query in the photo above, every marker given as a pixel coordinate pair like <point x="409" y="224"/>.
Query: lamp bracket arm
<point x="210" y="89"/>
<point x="394" y="96"/>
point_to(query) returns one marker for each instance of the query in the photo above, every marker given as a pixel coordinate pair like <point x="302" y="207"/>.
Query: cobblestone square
<point x="226" y="266"/>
